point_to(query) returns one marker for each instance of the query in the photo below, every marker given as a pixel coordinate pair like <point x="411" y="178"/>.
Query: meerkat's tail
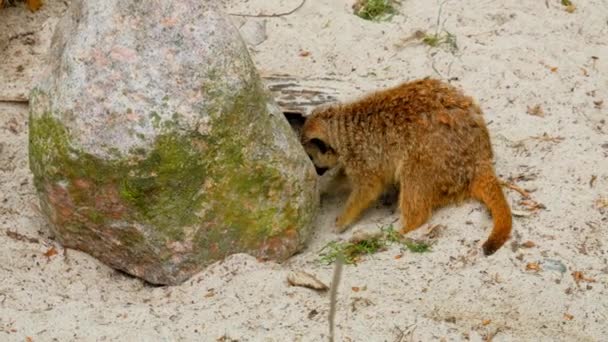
<point x="486" y="188"/>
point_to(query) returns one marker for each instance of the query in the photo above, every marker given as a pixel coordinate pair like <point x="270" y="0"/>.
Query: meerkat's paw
<point x="404" y="230"/>
<point x="342" y="223"/>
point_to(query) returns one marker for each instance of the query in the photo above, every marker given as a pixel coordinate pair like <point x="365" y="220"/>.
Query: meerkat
<point x="424" y="136"/>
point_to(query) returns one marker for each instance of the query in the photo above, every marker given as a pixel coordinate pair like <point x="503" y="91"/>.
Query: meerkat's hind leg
<point x="363" y="194"/>
<point x="416" y="206"/>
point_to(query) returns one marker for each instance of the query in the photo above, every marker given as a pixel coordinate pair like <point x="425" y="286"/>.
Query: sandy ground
<point x="512" y="55"/>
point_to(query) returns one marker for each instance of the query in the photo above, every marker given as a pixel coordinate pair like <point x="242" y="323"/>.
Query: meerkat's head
<point x="315" y="140"/>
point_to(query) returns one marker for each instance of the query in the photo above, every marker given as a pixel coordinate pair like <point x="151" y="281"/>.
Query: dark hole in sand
<point x="296" y="121"/>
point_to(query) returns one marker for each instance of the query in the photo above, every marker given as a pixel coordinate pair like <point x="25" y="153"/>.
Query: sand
<point x="511" y="56"/>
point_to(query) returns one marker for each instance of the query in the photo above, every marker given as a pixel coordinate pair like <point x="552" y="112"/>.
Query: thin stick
<point x="13" y="100"/>
<point x="273" y="15"/>
<point x="333" y="294"/>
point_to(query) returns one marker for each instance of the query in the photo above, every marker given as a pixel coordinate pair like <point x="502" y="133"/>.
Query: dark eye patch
<point x="320" y="145"/>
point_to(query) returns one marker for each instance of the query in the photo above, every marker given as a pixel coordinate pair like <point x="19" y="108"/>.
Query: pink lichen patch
<point x="99" y="58"/>
<point x="82" y="184"/>
<point x="214" y="249"/>
<point x="279" y="247"/>
<point x="60" y="200"/>
<point x="132" y="116"/>
<point x="108" y="201"/>
<point x="123" y="54"/>
<point x="180" y="247"/>
<point x="168" y="21"/>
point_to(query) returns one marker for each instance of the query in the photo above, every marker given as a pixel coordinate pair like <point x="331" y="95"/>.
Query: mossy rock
<point x="155" y="147"/>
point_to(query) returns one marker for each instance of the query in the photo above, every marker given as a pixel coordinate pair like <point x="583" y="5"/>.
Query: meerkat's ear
<point x="320" y="144"/>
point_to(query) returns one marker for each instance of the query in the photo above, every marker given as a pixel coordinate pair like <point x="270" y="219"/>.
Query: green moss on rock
<point x="160" y="189"/>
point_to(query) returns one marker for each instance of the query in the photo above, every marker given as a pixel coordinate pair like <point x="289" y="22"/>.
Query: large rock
<point x="154" y="146"/>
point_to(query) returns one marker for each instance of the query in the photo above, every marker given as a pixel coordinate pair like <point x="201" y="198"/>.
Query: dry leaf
<point x="592" y="180"/>
<point x="486" y="321"/>
<point x="568" y="317"/>
<point x="528" y="244"/>
<point x="601" y="203"/>
<point x="356" y="289"/>
<point x="536" y="111"/>
<point x="304" y="279"/>
<point x="551" y="68"/>
<point x="533" y="266"/>
<point x="398" y="256"/>
<point x="50" y="252"/>
<point x="33" y="5"/>
<point x="520" y="213"/>
<point x="579" y="276"/>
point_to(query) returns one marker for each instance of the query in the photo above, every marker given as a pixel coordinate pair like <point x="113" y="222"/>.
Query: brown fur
<point x="425" y="136"/>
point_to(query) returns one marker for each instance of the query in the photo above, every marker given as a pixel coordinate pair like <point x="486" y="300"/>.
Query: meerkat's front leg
<point x="363" y="194"/>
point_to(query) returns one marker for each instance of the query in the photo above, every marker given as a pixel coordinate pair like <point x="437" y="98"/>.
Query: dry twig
<point x="21" y="237"/>
<point x="272" y="15"/>
<point x="333" y="294"/>
<point x="512" y="186"/>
